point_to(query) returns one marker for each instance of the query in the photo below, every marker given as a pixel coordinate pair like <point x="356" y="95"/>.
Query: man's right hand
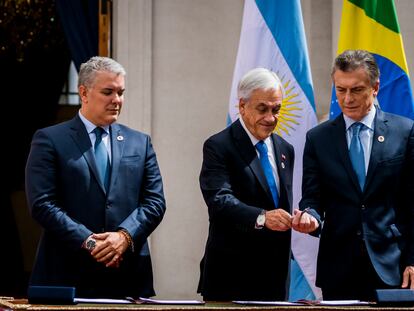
<point x="304" y="222"/>
<point x="110" y="246"/>
<point x="278" y="220"/>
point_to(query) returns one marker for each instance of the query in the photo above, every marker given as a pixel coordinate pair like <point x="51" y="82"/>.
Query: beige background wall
<point x="179" y="55"/>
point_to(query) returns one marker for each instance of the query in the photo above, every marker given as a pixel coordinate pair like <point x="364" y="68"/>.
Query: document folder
<point x="395" y="297"/>
<point x="51" y="295"/>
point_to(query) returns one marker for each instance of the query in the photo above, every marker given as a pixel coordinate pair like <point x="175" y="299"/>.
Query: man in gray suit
<point x="358" y="185"/>
<point x="95" y="187"/>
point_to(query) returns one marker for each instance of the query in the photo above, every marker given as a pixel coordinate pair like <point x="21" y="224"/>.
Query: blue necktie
<point x="267" y="169"/>
<point x="101" y="157"/>
<point x="356" y="153"/>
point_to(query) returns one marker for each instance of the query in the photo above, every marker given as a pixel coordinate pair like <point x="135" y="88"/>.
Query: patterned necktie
<point x="267" y="169"/>
<point x="356" y="153"/>
<point x="101" y="157"/>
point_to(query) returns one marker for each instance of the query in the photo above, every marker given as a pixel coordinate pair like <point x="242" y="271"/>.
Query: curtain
<point x="79" y="19"/>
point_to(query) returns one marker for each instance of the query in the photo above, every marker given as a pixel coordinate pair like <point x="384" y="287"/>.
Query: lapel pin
<point x="282" y="164"/>
<point x="120" y="138"/>
<point x="283" y="157"/>
<point x="381" y="139"/>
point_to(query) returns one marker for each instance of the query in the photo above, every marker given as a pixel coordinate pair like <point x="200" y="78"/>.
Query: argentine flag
<point x="372" y="25"/>
<point x="272" y="36"/>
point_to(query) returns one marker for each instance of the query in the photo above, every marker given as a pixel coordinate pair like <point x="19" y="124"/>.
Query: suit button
<point x="108" y="205"/>
<point x="362" y="206"/>
<point x="359" y="233"/>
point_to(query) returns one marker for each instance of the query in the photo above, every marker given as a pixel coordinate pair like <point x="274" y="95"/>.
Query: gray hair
<point x="88" y="70"/>
<point x="351" y="60"/>
<point x="257" y="78"/>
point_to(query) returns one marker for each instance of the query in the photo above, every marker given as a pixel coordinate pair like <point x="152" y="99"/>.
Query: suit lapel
<point x="378" y="148"/>
<point x="81" y="138"/>
<point x="338" y="136"/>
<point x="248" y="153"/>
<point x="117" y="143"/>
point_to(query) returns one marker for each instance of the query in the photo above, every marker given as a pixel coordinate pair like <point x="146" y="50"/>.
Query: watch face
<point x="261" y="220"/>
<point x="90" y="244"/>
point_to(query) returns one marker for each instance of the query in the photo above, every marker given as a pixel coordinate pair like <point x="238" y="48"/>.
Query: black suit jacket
<point x="382" y="214"/>
<point x="241" y="262"/>
<point x="67" y="198"/>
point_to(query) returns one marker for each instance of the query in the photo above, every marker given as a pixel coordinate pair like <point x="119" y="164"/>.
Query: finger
<point x="296" y="221"/>
<point x="315" y="224"/>
<point x="102" y="253"/>
<point x="106" y="258"/>
<point x="100" y="236"/>
<point x="285" y="222"/>
<point x="97" y="249"/>
<point x="305" y="222"/>
<point x="114" y="262"/>
<point x="282" y="225"/>
<point x="283" y="213"/>
<point x="100" y="246"/>
<point x="405" y="279"/>
<point x="411" y="273"/>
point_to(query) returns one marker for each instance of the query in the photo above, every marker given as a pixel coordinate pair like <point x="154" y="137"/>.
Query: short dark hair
<point x="351" y="60"/>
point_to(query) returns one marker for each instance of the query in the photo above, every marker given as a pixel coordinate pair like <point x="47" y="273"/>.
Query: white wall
<point x="179" y="55"/>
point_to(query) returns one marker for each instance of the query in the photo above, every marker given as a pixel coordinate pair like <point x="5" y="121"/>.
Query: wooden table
<point x="22" y="304"/>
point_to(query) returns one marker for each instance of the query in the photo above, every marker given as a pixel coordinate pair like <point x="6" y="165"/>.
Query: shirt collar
<point x="90" y="126"/>
<point x="253" y="139"/>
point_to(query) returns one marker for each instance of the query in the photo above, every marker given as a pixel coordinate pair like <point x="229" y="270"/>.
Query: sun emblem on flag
<point x="290" y="112"/>
<point x="288" y="115"/>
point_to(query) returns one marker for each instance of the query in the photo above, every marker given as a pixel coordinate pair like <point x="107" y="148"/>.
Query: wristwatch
<point x="90" y="244"/>
<point x="260" y="221"/>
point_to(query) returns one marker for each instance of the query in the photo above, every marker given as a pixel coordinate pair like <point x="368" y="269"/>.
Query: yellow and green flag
<point x="372" y="25"/>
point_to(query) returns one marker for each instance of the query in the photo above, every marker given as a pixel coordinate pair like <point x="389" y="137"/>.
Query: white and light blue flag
<point x="272" y="36"/>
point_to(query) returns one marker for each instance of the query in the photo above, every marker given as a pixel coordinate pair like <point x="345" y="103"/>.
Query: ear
<point x="242" y="106"/>
<point x="83" y="93"/>
<point x="376" y="88"/>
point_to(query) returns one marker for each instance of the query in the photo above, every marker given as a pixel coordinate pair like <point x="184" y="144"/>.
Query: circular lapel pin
<point x="381" y="139"/>
<point x="120" y="137"/>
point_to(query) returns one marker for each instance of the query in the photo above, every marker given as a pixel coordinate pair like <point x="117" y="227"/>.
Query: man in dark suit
<point x="249" y="198"/>
<point x="357" y="189"/>
<point x="95" y="187"/>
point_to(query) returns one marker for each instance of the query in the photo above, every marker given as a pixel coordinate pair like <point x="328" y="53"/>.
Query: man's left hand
<point x="408" y="277"/>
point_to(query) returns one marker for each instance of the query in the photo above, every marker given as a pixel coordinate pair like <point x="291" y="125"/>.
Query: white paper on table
<point x="170" y="302"/>
<point x="343" y="302"/>
<point x="103" y="300"/>
<point x="268" y="303"/>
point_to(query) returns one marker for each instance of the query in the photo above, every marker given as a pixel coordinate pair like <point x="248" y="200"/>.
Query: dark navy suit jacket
<point x="382" y="214"/>
<point x="241" y="262"/>
<point x="66" y="197"/>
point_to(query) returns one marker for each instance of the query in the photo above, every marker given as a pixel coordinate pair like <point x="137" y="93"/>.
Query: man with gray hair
<point x="246" y="181"/>
<point x="357" y="190"/>
<point x="95" y="187"/>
